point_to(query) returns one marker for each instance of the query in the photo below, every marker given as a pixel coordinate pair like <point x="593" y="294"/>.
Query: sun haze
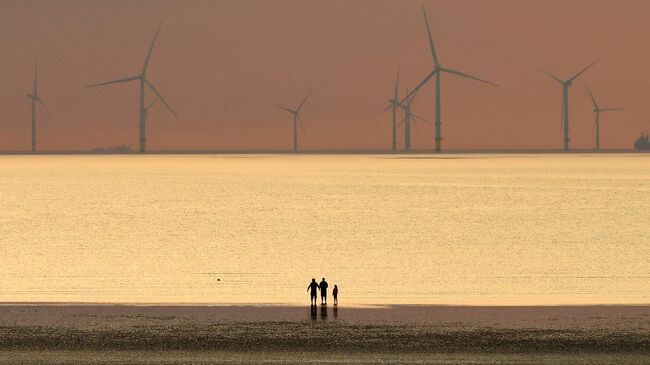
<point x="225" y="66"/>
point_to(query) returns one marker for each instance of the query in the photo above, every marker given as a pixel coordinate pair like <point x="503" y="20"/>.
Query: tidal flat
<point x="73" y="334"/>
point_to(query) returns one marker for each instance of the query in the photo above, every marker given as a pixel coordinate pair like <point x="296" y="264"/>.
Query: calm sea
<point x="460" y="229"/>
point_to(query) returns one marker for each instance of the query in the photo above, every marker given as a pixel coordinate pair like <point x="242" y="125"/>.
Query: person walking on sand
<point x="323" y="291"/>
<point x="335" y="294"/>
<point x="313" y="287"/>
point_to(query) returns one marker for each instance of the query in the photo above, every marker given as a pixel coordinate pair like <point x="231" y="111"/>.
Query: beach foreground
<point x="80" y="334"/>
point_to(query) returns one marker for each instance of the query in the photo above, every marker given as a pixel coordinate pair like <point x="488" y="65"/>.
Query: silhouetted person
<point x="313" y="288"/>
<point x="323" y="291"/>
<point x="335" y="294"/>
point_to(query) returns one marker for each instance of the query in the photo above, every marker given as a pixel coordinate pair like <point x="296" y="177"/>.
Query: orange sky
<point x="224" y="65"/>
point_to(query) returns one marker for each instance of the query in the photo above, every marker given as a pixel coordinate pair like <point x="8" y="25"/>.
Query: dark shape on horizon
<point x="566" y="84"/>
<point x="35" y="99"/>
<point x="643" y="142"/>
<point x="438" y="69"/>
<point x="312" y="288"/>
<point x="142" y="77"/>
<point x="296" y="120"/>
<point x="117" y="149"/>
<point x="597" y="111"/>
<point x="394" y="104"/>
<point x="409" y="117"/>
<point x="323" y="291"/>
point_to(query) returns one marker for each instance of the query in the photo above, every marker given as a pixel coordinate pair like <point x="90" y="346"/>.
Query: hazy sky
<point x="225" y="65"/>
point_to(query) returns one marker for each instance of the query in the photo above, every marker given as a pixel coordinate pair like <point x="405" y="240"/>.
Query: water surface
<point x="472" y="229"/>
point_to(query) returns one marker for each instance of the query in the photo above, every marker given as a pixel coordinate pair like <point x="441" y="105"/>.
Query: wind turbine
<point x="142" y="77"/>
<point x="409" y="116"/>
<point x="565" y="99"/>
<point x="394" y="104"/>
<point x="35" y="98"/>
<point x="597" y="111"/>
<point x="296" y="120"/>
<point x="438" y="69"/>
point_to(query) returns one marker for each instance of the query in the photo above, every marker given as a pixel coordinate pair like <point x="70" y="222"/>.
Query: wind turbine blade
<point x="160" y="97"/>
<point x="593" y="128"/>
<point x="41" y="102"/>
<point x="563" y="104"/>
<point x="424" y="81"/>
<point x="550" y="75"/>
<point x="302" y="129"/>
<point x="153" y="42"/>
<point x="420" y="118"/>
<point x="152" y="104"/>
<point x="592" y="98"/>
<point x="583" y="70"/>
<point x="456" y="72"/>
<point x="431" y="46"/>
<point x="611" y="109"/>
<point x="35" y="76"/>
<point x="402" y="122"/>
<point x="287" y="109"/>
<point x="391" y="105"/>
<point x="127" y="79"/>
<point x="396" y="85"/>
<point x="303" y="102"/>
<point x="413" y="95"/>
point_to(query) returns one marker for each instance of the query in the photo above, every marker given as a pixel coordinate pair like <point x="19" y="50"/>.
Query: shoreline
<point x="326" y="152"/>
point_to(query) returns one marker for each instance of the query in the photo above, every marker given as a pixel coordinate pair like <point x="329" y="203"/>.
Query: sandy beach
<point x="79" y="334"/>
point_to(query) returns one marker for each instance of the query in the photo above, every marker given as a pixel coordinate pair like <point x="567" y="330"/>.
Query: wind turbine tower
<point x="437" y="71"/>
<point x="35" y="99"/>
<point x="597" y="111"/>
<point x="142" y="77"/>
<point x="566" y="84"/>
<point x="409" y="117"/>
<point x="297" y="122"/>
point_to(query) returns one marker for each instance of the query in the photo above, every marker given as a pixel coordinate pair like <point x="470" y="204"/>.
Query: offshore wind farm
<point x="387" y="142"/>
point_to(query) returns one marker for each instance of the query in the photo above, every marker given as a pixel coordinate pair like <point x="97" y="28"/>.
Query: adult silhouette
<point x="335" y="294"/>
<point x="313" y="289"/>
<point x="323" y="291"/>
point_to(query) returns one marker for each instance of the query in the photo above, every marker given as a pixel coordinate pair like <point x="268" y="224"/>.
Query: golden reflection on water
<point x="467" y="229"/>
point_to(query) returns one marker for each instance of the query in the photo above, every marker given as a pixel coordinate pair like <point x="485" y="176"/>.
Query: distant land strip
<point x="329" y="152"/>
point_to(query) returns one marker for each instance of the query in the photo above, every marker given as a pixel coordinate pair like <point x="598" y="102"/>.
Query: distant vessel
<point x="117" y="149"/>
<point x="642" y="143"/>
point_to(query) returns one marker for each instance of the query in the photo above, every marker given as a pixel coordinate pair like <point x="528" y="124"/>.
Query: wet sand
<point x="624" y="317"/>
<point x="79" y="334"/>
